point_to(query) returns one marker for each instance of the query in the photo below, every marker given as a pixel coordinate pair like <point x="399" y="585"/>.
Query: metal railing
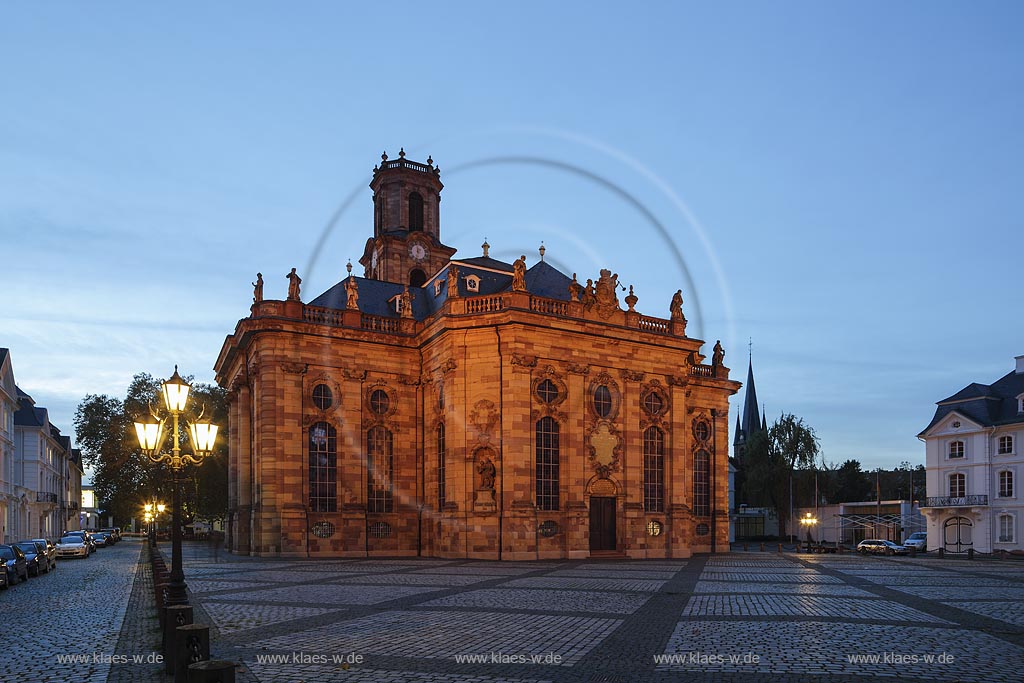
<point x="45" y="497"/>
<point x="954" y="501"/>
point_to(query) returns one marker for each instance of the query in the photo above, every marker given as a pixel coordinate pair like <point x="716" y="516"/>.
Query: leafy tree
<point x="124" y="478"/>
<point x="851" y="483"/>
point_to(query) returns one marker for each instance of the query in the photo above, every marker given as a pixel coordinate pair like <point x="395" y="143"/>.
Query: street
<point x="64" y="625"/>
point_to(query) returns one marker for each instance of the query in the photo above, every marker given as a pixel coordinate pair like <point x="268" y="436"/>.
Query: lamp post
<point x="151" y="437"/>
<point x="808" y="521"/>
<point x="153" y="511"/>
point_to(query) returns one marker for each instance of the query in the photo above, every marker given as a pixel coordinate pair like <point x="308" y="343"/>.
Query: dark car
<point x="36" y="559"/>
<point x="3" y="577"/>
<point x="102" y="539"/>
<point x="878" y="546"/>
<point x="17" y="565"/>
<point x="113" y="532"/>
<point x="50" y="550"/>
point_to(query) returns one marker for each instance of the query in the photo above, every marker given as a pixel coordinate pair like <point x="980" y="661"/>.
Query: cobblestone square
<point x="731" y="618"/>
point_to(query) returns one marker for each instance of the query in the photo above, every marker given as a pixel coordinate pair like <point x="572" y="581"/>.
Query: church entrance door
<point x="602" y="523"/>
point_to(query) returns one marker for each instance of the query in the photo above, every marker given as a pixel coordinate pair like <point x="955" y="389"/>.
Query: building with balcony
<point x="39" y="473"/>
<point x="470" y="407"/>
<point x="973" y="460"/>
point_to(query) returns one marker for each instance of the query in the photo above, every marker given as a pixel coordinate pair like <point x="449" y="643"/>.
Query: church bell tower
<point x="406" y="245"/>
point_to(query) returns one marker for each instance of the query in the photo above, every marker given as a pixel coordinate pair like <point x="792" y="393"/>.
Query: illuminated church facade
<point x="470" y="408"/>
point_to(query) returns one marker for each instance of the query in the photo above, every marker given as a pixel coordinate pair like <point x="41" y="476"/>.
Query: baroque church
<point x="470" y="408"/>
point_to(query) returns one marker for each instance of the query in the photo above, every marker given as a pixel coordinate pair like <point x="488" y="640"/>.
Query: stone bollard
<point x="780" y="547"/>
<point x="212" y="671"/>
<point x="174" y="616"/>
<point x="746" y="548"/>
<point x="970" y="553"/>
<point x="942" y="553"/>
<point x="762" y="546"/>
<point x="191" y="645"/>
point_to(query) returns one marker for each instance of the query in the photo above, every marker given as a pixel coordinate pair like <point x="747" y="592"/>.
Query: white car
<point x="72" y="546"/>
<point x="918" y="541"/>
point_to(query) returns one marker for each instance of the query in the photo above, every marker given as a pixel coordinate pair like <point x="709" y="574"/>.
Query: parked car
<point x="36" y="559"/>
<point x="50" y="549"/>
<point x="86" y="536"/>
<point x="878" y="546"/>
<point x="17" y="566"/>
<point x="918" y="541"/>
<point x="72" y="546"/>
<point x="102" y="540"/>
<point x="3" y="577"/>
<point x="114" y="533"/>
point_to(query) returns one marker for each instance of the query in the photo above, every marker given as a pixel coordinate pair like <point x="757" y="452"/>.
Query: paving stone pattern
<point x="760" y="617"/>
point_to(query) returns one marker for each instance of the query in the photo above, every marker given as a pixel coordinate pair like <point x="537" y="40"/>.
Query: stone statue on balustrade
<point x="519" y="274"/>
<point x="293" y="285"/>
<point x="676" y="307"/>
<point x="257" y="289"/>
<point x="352" y="294"/>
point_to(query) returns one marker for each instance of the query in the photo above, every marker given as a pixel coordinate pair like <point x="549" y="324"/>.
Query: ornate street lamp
<point x="808" y="521"/>
<point x="203" y="435"/>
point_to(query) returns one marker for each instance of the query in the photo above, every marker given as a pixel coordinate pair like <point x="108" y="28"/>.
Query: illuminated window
<point x="323" y="458"/>
<point x="654" y="470"/>
<point x="379" y="468"/>
<point x="547" y="464"/>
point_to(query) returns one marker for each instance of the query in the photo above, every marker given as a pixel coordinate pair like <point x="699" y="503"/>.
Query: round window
<point x="548" y="528"/>
<point x="703" y="529"/>
<point x="380" y="401"/>
<point x="547" y="391"/>
<point x="602" y="401"/>
<point x="653" y="404"/>
<point x="654" y="528"/>
<point x="323" y="529"/>
<point x="701" y="431"/>
<point x="322" y="396"/>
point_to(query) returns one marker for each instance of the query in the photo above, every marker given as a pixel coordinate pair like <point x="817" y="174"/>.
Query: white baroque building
<point x="974" y="461"/>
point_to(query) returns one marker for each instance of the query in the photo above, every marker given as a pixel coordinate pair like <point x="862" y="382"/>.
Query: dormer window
<point x="396" y="303"/>
<point x="473" y="283"/>
<point x="437" y="287"/>
<point x="1020" y="404"/>
<point x="956" y="449"/>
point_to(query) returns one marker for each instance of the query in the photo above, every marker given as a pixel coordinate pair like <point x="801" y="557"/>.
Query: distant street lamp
<point x="151" y="437"/>
<point x="153" y="510"/>
<point x="808" y="521"/>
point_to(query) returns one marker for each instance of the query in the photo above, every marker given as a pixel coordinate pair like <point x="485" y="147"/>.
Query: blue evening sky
<point x="840" y="182"/>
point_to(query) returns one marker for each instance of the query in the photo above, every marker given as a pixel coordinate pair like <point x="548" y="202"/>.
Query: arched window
<point x="702" y="483"/>
<point x="417" y="278"/>
<point x="547" y="464"/>
<point x="1005" y="484"/>
<point x="379" y="470"/>
<point x="654" y="470"/>
<point x="415" y="212"/>
<point x="440" y="466"/>
<point x="323" y="461"/>
<point x="957" y="485"/>
<point x="956" y="449"/>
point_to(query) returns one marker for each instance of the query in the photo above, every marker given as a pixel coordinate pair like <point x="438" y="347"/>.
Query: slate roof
<point x="3" y="354"/>
<point x="375" y="296"/>
<point x="27" y="415"/>
<point x="990" y="405"/>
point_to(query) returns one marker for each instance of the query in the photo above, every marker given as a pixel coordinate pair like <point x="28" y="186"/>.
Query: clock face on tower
<point x="418" y="252"/>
